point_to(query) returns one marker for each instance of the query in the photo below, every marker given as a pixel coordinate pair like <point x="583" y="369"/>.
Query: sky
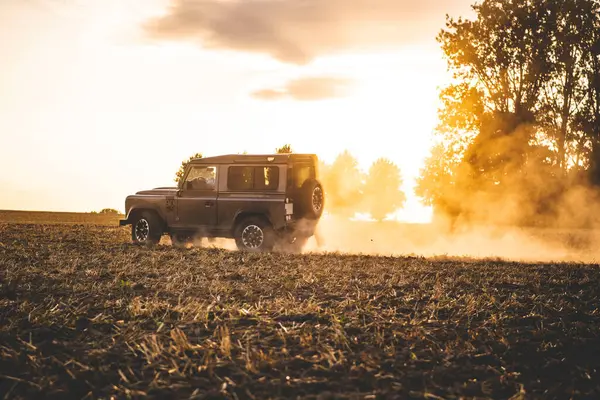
<point x="101" y="98"/>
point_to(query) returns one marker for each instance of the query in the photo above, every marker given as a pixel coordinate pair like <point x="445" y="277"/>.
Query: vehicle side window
<point x="301" y="174"/>
<point x="240" y="178"/>
<point x="266" y="178"/>
<point x="201" y="178"/>
<point x="252" y="178"/>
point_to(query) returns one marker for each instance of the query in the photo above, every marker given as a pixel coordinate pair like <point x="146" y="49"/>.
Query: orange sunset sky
<point x="101" y="98"/>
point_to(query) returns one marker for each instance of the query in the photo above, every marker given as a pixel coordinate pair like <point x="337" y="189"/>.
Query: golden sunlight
<point x="119" y="94"/>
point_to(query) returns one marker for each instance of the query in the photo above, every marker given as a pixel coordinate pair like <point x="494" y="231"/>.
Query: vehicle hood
<point x="163" y="191"/>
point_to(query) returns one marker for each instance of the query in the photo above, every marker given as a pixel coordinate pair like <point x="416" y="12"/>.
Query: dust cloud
<point x="430" y="240"/>
<point x="506" y="195"/>
<point x="570" y="233"/>
<point x="566" y="242"/>
<point x="389" y="238"/>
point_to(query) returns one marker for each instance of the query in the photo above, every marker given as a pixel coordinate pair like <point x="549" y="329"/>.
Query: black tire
<point x="255" y="235"/>
<point x="146" y="228"/>
<point x="311" y="199"/>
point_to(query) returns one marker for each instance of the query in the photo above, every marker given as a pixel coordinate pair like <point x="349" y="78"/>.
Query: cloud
<point x="297" y="31"/>
<point x="307" y="89"/>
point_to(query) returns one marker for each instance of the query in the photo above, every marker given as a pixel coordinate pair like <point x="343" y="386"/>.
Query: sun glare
<point x="396" y="95"/>
<point x="169" y="99"/>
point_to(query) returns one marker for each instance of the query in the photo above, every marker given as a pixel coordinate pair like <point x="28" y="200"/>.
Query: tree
<point x="343" y="185"/>
<point x="460" y="119"/>
<point x="382" y="190"/>
<point x="436" y="181"/>
<point x="588" y="118"/>
<point x="285" y="149"/>
<point x="516" y="118"/>
<point x="504" y="52"/>
<point x="109" y="211"/>
<point x="563" y="94"/>
<point x="500" y="62"/>
<point x="179" y="174"/>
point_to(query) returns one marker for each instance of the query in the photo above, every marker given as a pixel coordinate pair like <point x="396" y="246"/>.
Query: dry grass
<point x="83" y="313"/>
<point x="47" y="217"/>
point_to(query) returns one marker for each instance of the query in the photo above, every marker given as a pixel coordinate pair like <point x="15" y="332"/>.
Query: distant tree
<point x="285" y="149"/>
<point x="343" y="185"/>
<point x="181" y="171"/>
<point x="437" y="183"/>
<point x="382" y="190"/>
<point x="110" y="211"/>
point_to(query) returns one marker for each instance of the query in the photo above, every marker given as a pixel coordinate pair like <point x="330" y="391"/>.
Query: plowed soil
<point x="86" y="314"/>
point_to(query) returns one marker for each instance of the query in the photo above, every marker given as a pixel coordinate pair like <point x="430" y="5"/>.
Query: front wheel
<point x="254" y="234"/>
<point x="146" y="229"/>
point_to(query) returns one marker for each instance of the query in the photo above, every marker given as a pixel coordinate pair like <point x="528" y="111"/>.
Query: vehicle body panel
<point x="196" y="209"/>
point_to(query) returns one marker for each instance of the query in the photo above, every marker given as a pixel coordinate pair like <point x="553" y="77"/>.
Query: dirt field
<point x="83" y="313"/>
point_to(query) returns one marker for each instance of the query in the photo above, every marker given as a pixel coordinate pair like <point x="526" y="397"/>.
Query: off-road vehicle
<point x="261" y="201"/>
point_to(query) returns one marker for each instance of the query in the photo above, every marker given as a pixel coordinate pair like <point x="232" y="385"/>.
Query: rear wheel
<point x="146" y="228"/>
<point x="254" y="234"/>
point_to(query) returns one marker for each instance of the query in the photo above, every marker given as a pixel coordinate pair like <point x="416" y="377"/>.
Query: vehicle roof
<point x="256" y="158"/>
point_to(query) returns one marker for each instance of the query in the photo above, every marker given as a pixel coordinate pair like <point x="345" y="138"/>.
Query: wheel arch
<point x="137" y="211"/>
<point x="242" y="214"/>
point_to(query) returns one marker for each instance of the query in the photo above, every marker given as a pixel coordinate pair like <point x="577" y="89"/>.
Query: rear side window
<point x="301" y="174"/>
<point x="252" y="178"/>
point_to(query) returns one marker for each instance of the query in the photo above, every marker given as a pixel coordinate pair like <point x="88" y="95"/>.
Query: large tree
<point x="588" y="118"/>
<point x="563" y="95"/>
<point x="519" y="113"/>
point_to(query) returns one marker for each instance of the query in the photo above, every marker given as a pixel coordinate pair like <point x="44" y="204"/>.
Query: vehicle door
<point x="252" y="189"/>
<point x="197" y="199"/>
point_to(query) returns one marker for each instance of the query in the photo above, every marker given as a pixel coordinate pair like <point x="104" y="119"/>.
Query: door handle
<point x="208" y="204"/>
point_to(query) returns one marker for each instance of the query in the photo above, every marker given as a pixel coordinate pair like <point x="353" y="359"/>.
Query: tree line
<point x="519" y="126"/>
<point x="348" y="189"/>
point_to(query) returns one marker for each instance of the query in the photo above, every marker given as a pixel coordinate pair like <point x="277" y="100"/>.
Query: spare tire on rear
<point x="311" y="199"/>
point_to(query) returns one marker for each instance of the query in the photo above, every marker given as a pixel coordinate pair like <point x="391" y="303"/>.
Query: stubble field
<point x="85" y="314"/>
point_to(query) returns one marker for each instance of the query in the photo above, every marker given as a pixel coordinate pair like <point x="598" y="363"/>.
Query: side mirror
<point x="178" y="193"/>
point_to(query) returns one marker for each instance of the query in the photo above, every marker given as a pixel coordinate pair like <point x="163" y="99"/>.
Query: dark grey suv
<point x="261" y="201"/>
